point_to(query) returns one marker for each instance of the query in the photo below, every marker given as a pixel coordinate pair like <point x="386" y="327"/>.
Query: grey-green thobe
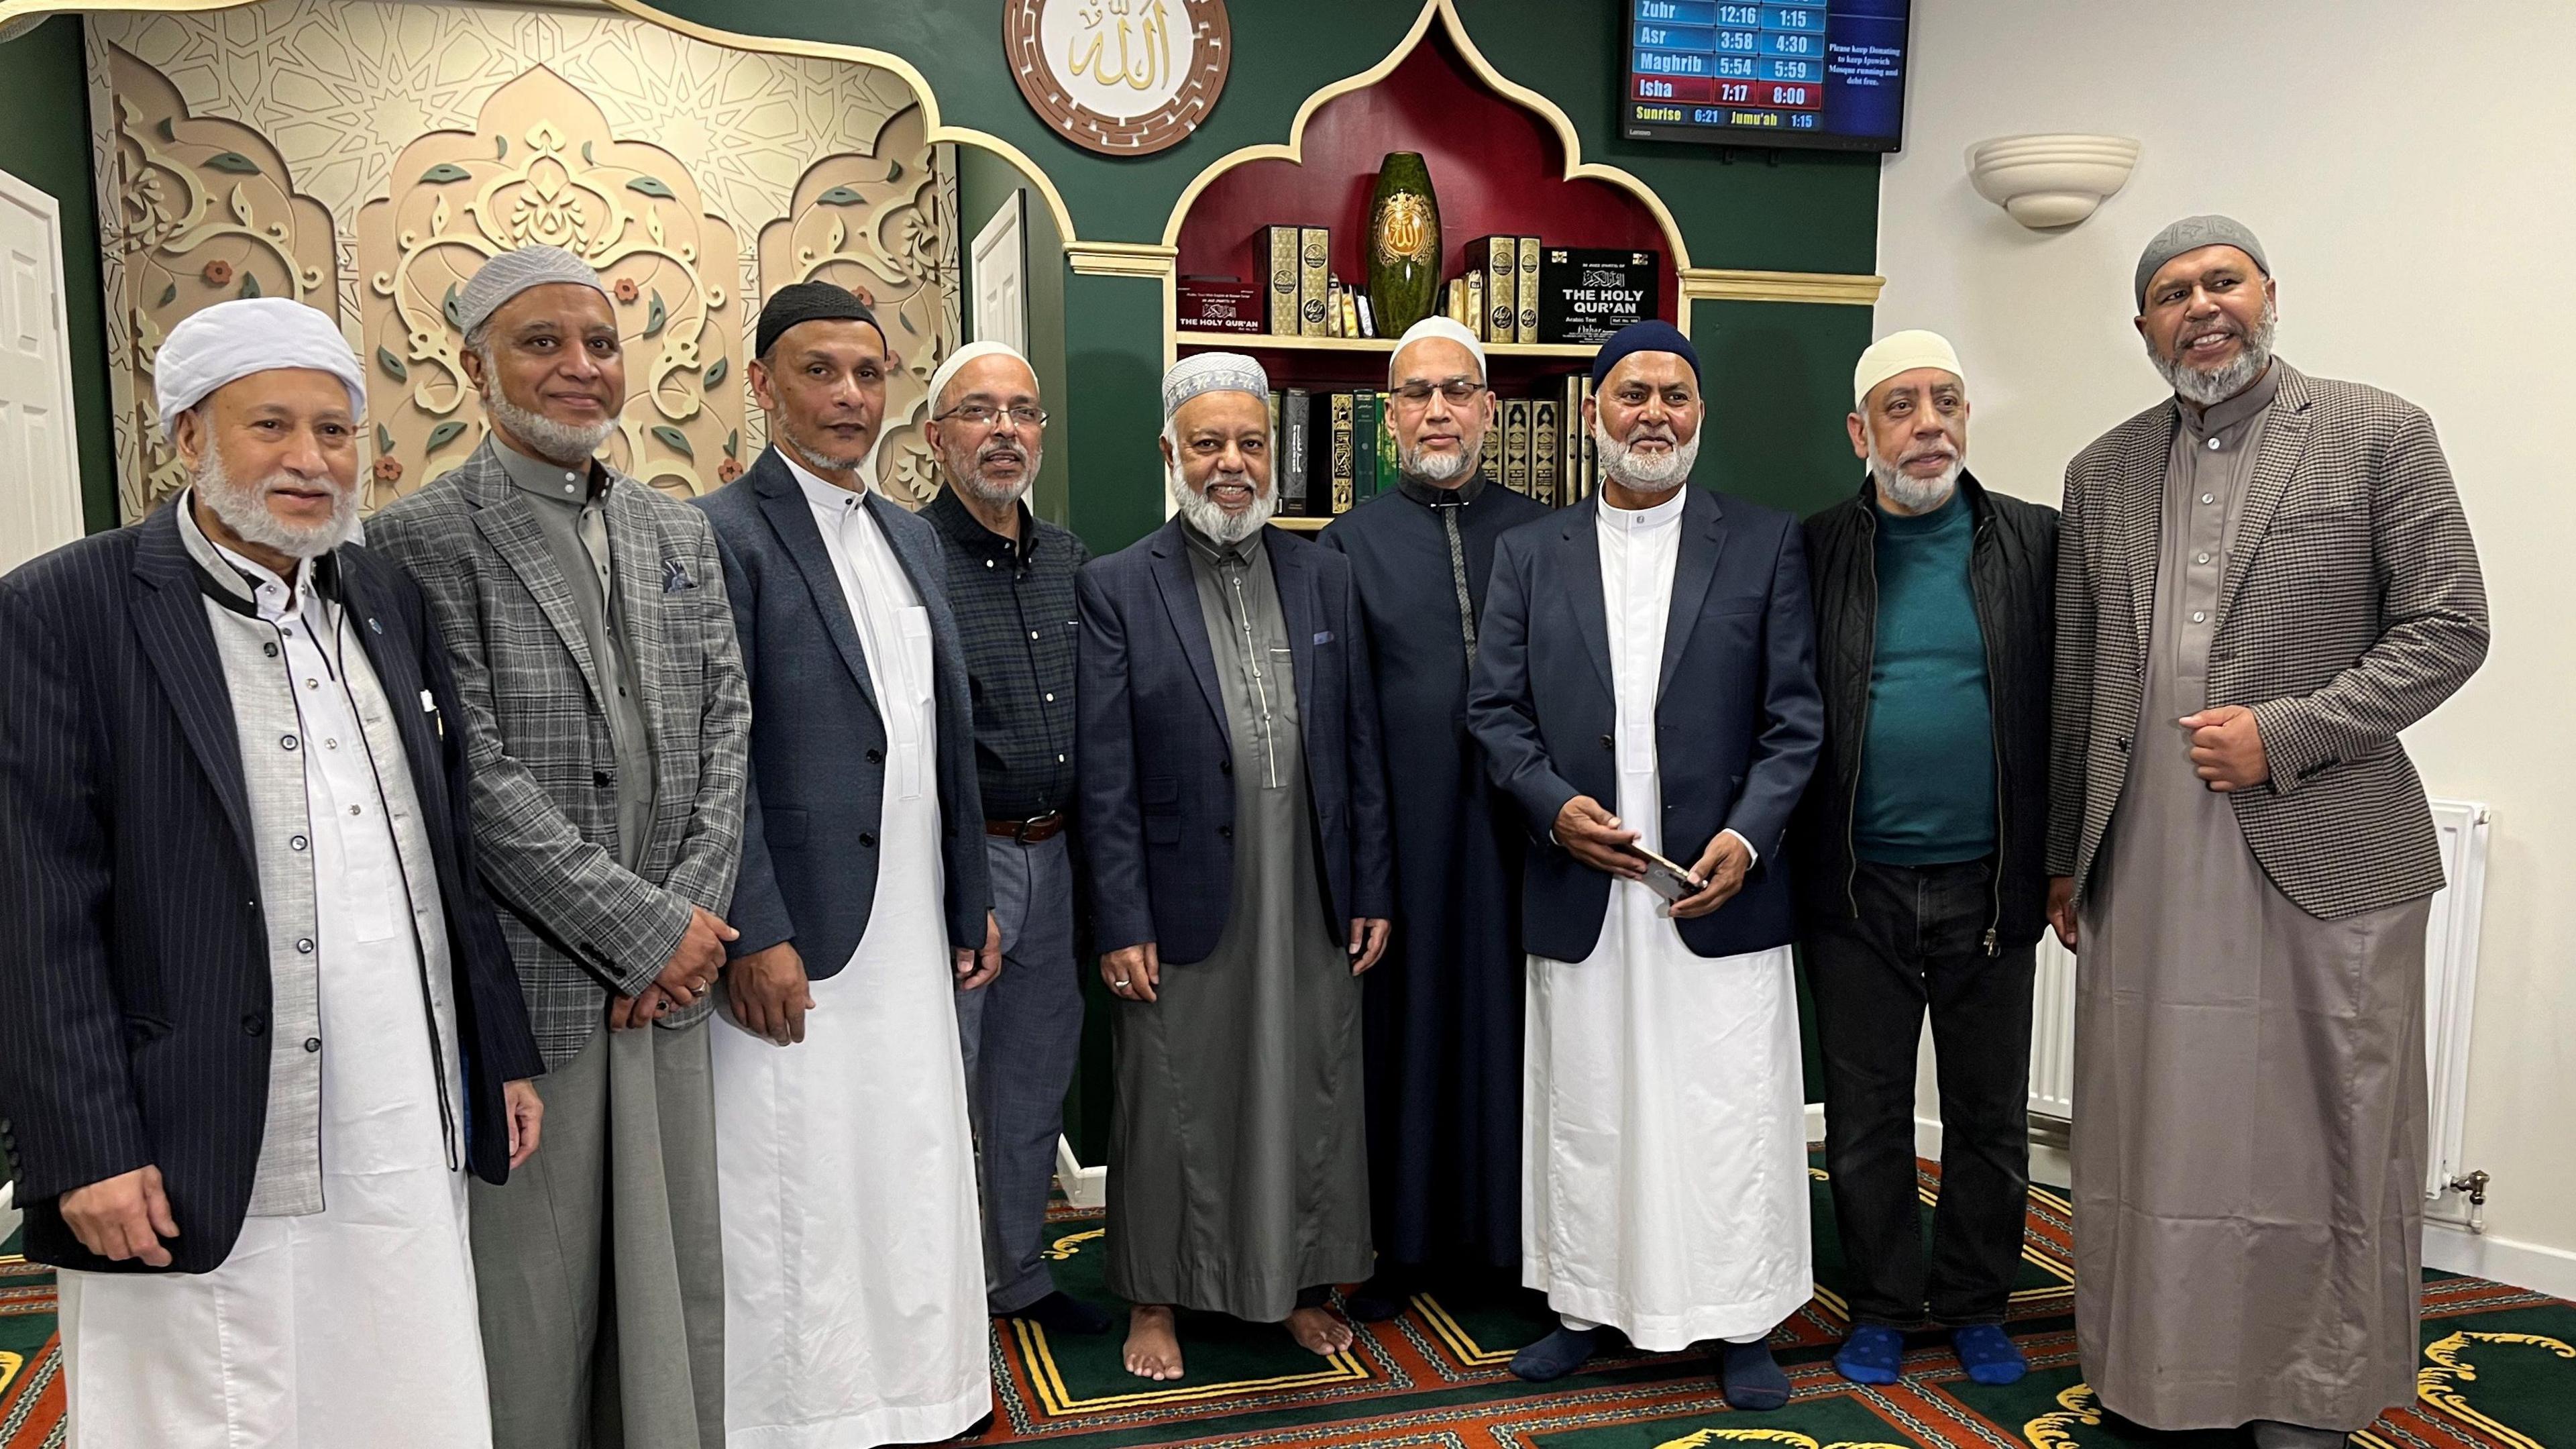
<point x="2250" y="1118"/>
<point x="1237" y="1167"/>
<point x="600" y="1265"/>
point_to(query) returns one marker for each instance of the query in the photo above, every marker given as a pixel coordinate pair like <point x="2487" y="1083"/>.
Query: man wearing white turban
<point x="1234" y="818"/>
<point x="257" y="1022"/>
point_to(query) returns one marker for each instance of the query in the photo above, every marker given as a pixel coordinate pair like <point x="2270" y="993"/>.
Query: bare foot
<point x="1318" y="1331"/>
<point x="1153" y="1350"/>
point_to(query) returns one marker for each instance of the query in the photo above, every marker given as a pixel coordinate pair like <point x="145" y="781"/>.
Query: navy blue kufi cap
<point x="1651" y="336"/>
<point x="808" y="302"/>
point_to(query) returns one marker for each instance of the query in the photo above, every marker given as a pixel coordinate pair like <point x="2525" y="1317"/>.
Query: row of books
<point x="1337" y="449"/>
<point x="1497" y="296"/>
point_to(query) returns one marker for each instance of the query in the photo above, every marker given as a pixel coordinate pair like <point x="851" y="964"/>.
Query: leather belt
<point x="1031" y="831"/>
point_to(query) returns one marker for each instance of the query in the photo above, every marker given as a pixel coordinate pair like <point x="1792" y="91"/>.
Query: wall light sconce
<point x="2051" y="181"/>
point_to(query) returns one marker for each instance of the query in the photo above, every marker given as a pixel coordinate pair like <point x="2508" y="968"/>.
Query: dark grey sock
<point x="1751" y="1377"/>
<point x="2271" y="1434"/>
<point x="1558" y="1354"/>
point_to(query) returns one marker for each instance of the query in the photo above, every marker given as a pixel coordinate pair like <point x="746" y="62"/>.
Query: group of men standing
<point x="1444" y="873"/>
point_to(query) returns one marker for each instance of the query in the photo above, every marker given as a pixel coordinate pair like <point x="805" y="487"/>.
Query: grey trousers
<point x="1021" y="1035"/>
<point x="600" y="1265"/>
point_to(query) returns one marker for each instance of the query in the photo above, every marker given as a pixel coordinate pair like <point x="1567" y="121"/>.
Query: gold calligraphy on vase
<point x="1407" y="230"/>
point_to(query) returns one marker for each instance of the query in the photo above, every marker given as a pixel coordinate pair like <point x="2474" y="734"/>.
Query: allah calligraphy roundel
<point x="1121" y="77"/>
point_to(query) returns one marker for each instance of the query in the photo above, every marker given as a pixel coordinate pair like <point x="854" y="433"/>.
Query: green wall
<point x="984" y="183"/>
<point x="1774" y="370"/>
<point x="44" y="111"/>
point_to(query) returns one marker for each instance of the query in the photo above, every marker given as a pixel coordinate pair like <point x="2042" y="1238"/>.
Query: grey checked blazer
<point x="2351" y="606"/>
<point x="544" y="771"/>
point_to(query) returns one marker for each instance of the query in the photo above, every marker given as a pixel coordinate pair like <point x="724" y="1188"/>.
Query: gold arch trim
<point x="13" y="11"/>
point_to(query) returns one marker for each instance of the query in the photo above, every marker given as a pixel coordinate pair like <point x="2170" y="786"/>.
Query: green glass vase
<point x="1403" y="244"/>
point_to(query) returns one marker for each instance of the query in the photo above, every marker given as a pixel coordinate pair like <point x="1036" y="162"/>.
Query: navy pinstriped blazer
<point x="134" y="987"/>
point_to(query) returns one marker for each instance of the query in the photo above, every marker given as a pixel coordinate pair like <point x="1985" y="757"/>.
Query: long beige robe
<point x="2249" y="1130"/>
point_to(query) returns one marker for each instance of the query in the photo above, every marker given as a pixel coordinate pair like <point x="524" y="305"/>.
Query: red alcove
<point x="1498" y="171"/>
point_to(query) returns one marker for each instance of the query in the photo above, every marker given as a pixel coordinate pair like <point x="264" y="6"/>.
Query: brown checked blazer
<point x="2351" y="606"/>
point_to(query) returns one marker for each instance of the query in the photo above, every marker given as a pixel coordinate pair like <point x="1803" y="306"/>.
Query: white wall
<point x="2408" y="169"/>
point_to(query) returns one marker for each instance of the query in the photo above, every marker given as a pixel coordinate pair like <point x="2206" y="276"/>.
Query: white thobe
<point x="354" y="1325"/>
<point x="854" y="1269"/>
<point x="1664" y="1190"/>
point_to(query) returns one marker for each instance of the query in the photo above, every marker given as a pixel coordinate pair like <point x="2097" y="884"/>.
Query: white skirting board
<point x="2450" y="1248"/>
<point x="8" y="1209"/>
<point x="1084" y="1187"/>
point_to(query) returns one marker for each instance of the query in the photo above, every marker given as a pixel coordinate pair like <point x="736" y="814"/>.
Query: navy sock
<point x="1752" y="1379"/>
<point x="1558" y="1354"/>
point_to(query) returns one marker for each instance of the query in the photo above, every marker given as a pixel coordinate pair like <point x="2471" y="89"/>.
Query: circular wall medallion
<point x="1121" y="77"/>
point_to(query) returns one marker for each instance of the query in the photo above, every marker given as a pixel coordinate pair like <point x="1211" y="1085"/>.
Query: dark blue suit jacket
<point x="1157" y="762"/>
<point x="1737" y="725"/>
<point x="817" y="796"/>
<point x="134" y="978"/>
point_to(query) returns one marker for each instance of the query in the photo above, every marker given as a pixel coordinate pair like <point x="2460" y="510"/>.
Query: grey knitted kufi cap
<point x="2189" y="235"/>
<point x="509" y="273"/>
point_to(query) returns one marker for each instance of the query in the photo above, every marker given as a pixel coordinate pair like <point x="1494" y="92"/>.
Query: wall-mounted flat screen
<point x="1829" y="74"/>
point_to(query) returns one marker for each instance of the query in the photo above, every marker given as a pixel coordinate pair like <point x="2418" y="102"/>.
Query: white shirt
<point x="893" y="626"/>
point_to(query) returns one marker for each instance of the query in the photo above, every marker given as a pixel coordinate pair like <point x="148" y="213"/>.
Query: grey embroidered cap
<point x="1212" y="372"/>
<point x="2191" y="234"/>
<point x="509" y="273"/>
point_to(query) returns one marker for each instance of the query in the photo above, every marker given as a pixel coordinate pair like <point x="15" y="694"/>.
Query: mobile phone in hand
<point x="1666" y="879"/>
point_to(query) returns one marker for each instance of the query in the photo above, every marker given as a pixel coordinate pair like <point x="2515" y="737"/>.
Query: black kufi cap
<point x="808" y="302"/>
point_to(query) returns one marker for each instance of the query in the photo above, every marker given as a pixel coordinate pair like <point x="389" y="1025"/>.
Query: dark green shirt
<point x="1927" y="769"/>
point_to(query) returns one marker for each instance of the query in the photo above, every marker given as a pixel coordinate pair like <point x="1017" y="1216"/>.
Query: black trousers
<point x="1918" y="943"/>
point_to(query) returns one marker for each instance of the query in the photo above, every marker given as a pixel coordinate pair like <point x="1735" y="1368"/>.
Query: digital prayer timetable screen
<point x="1829" y="74"/>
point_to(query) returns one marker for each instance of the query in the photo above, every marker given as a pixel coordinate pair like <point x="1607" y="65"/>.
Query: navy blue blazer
<point x="1157" y="762"/>
<point x="1738" y="722"/>
<point x="817" y="796"/>
<point x="134" y="982"/>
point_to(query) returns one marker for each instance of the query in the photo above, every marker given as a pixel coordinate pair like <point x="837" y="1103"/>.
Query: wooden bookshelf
<point x="1273" y="342"/>
<point x="1499" y="165"/>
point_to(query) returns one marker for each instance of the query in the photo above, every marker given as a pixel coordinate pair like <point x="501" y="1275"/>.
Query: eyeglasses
<point x="979" y="416"/>
<point x="1460" y="391"/>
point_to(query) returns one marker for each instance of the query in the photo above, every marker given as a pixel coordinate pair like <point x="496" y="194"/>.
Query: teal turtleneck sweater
<point x="1927" y="774"/>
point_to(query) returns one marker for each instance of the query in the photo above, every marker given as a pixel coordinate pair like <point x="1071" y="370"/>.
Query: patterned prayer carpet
<point x="2499" y="1369"/>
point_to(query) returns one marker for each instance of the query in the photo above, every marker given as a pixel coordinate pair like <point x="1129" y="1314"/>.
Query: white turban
<point x="1902" y="352"/>
<point x="971" y="352"/>
<point x="1439" y="326"/>
<point x="231" y="340"/>
<point x="509" y="273"/>
<point x="1212" y="372"/>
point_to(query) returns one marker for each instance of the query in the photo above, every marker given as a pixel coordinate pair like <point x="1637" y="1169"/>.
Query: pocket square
<point x="675" y="576"/>
<point x="1325" y="637"/>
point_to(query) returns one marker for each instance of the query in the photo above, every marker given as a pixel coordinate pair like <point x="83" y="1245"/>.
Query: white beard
<point x="244" y="509"/>
<point x="1222" y="527"/>
<point x="1914" y="495"/>
<point x="1661" y="473"/>
<point x="2208" y="389"/>
<point x="1436" y="468"/>
<point x="556" y="442"/>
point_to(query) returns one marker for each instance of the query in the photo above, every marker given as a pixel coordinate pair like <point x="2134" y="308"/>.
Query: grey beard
<point x="973" y="481"/>
<point x="2208" y="389"/>
<point x="814" y="452"/>
<point x="1645" y="475"/>
<point x="244" y="509"/>
<point x="1222" y="527"/>
<point x="1436" y="468"/>
<point x="556" y="442"/>
<point x="1914" y="495"/>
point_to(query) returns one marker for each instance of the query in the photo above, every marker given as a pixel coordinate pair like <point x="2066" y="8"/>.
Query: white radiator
<point x="2450" y="998"/>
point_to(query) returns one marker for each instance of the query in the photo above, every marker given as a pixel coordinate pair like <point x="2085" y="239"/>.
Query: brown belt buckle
<point x="1033" y="825"/>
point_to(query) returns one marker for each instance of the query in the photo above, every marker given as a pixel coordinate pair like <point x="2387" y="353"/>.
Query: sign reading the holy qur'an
<point x="1121" y="77"/>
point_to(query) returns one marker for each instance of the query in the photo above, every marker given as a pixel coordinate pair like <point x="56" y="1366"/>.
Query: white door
<point x="40" y="498"/>
<point x="1000" y="269"/>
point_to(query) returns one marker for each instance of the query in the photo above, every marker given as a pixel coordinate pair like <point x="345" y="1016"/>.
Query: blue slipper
<point x="1558" y="1354"/>
<point x="1751" y="1379"/>
<point x="1987" y="1355"/>
<point x="1874" y="1354"/>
